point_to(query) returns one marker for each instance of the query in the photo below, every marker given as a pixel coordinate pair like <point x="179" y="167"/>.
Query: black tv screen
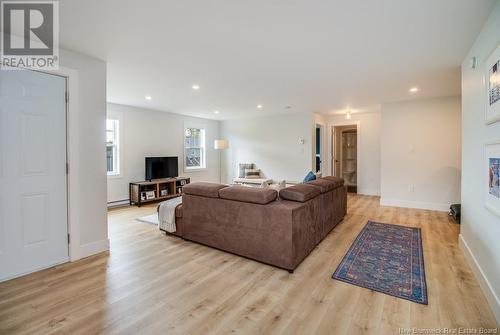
<point x="161" y="167"/>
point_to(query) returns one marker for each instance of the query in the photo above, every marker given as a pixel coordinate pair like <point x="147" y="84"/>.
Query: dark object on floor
<point x="386" y="258"/>
<point x="455" y="211"/>
<point x="352" y="189"/>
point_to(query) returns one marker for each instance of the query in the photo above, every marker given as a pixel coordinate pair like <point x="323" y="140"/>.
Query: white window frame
<point x="203" y="147"/>
<point x="118" y="160"/>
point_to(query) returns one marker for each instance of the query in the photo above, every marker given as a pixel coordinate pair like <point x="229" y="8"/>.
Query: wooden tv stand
<point x="156" y="190"/>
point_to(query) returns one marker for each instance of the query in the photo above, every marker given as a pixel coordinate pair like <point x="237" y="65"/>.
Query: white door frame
<point x="72" y="155"/>
<point x="358" y="144"/>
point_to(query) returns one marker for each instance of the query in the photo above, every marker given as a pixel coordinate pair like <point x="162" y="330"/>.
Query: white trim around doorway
<point x="359" y="146"/>
<point x="76" y="249"/>
<point x="72" y="155"/>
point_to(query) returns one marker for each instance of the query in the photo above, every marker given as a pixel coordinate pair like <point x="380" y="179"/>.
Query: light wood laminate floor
<point x="150" y="283"/>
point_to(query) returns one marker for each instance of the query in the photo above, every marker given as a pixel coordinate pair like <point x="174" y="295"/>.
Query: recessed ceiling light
<point x="348" y="115"/>
<point x="196" y="87"/>
<point x="414" y="90"/>
<point x="216" y="112"/>
<point x="148" y="97"/>
<point x="259" y="106"/>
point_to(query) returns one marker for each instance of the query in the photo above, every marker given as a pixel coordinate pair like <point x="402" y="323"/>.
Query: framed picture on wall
<point x="492" y="174"/>
<point x="492" y="83"/>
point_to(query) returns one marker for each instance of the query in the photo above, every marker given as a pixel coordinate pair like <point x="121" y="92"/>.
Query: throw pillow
<point x="243" y="167"/>
<point x="309" y="177"/>
<point x="252" y="173"/>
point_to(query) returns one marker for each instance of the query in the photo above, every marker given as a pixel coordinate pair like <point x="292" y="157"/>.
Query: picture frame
<point x="492" y="87"/>
<point x="492" y="176"/>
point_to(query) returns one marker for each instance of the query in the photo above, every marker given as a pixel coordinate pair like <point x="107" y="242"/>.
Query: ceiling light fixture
<point x="148" y="97"/>
<point x="216" y="112"/>
<point x="414" y="90"/>
<point x="348" y="115"/>
<point x="196" y="87"/>
<point x="259" y="106"/>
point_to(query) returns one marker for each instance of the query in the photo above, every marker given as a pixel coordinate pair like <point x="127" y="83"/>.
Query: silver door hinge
<point x="67" y="168"/>
<point x="67" y="96"/>
<point x="69" y="239"/>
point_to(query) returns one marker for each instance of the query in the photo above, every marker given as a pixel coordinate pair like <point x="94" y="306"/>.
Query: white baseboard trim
<point x="36" y="269"/>
<point x="414" y="204"/>
<point x="93" y="248"/>
<point x="484" y="283"/>
<point x="368" y="192"/>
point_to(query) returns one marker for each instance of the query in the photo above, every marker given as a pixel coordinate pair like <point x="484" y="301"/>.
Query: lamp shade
<point x="221" y="144"/>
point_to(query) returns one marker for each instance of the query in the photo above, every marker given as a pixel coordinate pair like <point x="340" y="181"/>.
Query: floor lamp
<point x="220" y="145"/>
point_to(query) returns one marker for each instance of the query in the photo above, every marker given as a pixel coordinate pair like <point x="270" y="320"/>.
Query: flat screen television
<point x="161" y="167"/>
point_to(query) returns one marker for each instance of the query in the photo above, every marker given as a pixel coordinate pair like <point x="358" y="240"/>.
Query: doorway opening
<point x="345" y="155"/>
<point x="318" y="155"/>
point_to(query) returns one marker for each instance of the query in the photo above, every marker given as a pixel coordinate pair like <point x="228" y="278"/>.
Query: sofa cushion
<point x="252" y="173"/>
<point x="242" y="167"/>
<point x="253" y="195"/>
<point x="300" y="192"/>
<point x="324" y="185"/>
<point x="209" y="190"/>
<point x="338" y="181"/>
<point x="258" y="181"/>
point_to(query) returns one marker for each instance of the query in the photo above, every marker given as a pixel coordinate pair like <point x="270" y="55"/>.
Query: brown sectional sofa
<point x="257" y="223"/>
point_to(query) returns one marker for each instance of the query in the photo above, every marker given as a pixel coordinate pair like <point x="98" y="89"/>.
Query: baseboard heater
<point x="118" y="203"/>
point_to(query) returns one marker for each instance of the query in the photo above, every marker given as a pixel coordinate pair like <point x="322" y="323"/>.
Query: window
<point x="112" y="147"/>
<point x="194" y="148"/>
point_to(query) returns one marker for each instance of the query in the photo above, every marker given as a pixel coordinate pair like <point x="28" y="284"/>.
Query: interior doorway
<point x="318" y="154"/>
<point x="345" y="155"/>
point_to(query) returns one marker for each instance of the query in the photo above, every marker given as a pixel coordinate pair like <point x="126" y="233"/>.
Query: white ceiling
<point x="312" y="55"/>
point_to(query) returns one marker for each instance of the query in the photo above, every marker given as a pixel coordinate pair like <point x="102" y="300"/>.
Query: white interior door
<point x="33" y="207"/>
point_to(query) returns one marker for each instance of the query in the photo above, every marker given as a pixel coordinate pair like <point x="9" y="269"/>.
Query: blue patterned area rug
<point x="386" y="258"/>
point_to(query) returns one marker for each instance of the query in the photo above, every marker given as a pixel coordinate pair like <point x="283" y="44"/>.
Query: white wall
<point x="154" y="133"/>
<point x="87" y="153"/>
<point x="480" y="229"/>
<point x="272" y="143"/>
<point x="420" y="153"/>
<point x="368" y="148"/>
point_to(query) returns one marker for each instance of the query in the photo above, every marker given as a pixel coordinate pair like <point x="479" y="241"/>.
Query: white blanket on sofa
<point x="166" y="214"/>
